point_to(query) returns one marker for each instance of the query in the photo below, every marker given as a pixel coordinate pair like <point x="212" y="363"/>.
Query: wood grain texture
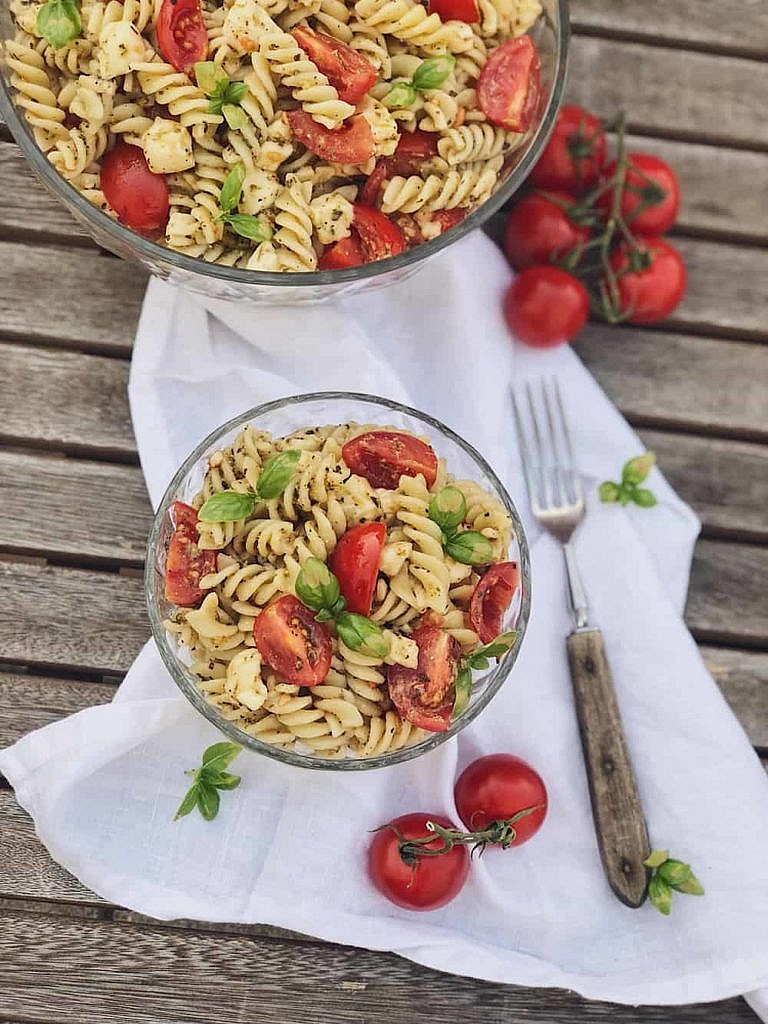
<point x="85" y="510"/>
<point x="22" y="192"/>
<point x="29" y="702"/>
<point x="147" y="975"/>
<point x="622" y="834"/>
<point x="743" y="678"/>
<point x="728" y="598"/>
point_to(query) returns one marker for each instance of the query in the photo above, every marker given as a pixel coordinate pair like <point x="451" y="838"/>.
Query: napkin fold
<point x="288" y="847"/>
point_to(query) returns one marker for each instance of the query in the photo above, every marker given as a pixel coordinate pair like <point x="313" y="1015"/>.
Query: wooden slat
<point x="150" y="974"/>
<point x="85" y="510"/>
<point x="743" y="678"/>
<point x="739" y="25"/>
<point x="29" y="702"/>
<point x="728" y="599"/>
<point x="22" y="193"/>
<point x="701" y="97"/>
<point x="671" y="380"/>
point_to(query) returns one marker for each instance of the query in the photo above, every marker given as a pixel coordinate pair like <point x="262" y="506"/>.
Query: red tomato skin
<point x="560" y="166"/>
<point x="379" y="236"/>
<point x="341" y="255"/>
<point x="424" y="695"/>
<point x="347" y="70"/>
<point x="181" y="34"/>
<point x="138" y="197"/>
<point x="412" y="149"/>
<point x="350" y="144"/>
<point x="539" y="230"/>
<point x="491" y="597"/>
<point x="185" y="563"/>
<point x="546" y="306"/>
<point x="455" y="10"/>
<point x="495" y="788"/>
<point x="649" y="173"/>
<point x="383" y="456"/>
<point x="355" y="563"/>
<point x="509" y="85"/>
<point x="654" y="293"/>
<point x="432" y="881"/>
<point x="292" y="643"/>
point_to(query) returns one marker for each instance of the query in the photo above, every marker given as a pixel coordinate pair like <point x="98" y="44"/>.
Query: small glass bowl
<point x="283" y="417"/>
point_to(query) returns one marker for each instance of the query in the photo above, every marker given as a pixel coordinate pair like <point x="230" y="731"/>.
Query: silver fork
<point x="557" y="501"/>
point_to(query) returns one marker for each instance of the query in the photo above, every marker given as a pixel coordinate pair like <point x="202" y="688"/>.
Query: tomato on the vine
<point x="575" y="153"/>
<point x="650" y="199"/>
<point x="540" y="230"/>
<point x="416" y="883"/>
<point x="546" y="306"/>
<point x="499" y="787"/>
<point x="650" y="294"/>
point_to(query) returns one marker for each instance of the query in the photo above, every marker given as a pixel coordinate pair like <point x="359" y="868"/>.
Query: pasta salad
<point x="279" y="135"/>
<point x="334" y="589"/>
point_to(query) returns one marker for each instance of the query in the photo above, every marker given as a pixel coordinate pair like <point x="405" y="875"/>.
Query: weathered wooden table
<point x="74" y="517"/>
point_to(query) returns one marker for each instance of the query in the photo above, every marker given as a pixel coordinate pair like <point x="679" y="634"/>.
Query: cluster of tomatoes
<point x="421" y="861"/>
<point x="589" y="236"/>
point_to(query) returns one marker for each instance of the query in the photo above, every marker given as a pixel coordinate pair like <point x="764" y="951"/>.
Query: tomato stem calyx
<point x="501" y="833"/>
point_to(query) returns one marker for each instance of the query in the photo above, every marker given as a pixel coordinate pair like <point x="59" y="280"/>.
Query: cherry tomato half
<point x="383" y="456"/>
<point x="455" y="10"/>
<point x="292" y="643"/>
<point x="427" y="884"/>
<point x="509" y="85"/>
<point x="546" y="306"/>
<point x="355" y="563"/>
<point x="185" y="563"/>
<point x="138" y="197"/>
<point x="651" y="197"/>
<point x="379" y="236"/>
<point x="575" y="153"/>
<point x="181" y="34"/>
<point x="412" y="150"/>
<point x="539" y="230"/>
<point x="495" y="788"/>
<point x="425" y="695"/>
<point x="491" y="598"/>
<point x="346" y="253"/>
<point x="651" y="295"/>
<point x="347" y="70"/>
<point x="352" y="143"/>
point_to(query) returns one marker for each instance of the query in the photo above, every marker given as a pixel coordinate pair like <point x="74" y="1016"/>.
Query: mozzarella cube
<point x="167" y="146"/>
<point x="120" y="45"/>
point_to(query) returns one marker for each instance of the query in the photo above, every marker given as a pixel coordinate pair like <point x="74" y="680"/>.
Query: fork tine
<point x="525" y="452"/>
<point x="575" y="478"/>
<point x="558" y="473"/>
<point x="542" y="462"/>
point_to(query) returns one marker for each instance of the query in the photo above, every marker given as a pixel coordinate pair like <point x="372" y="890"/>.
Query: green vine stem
<point x="500" y="833"/>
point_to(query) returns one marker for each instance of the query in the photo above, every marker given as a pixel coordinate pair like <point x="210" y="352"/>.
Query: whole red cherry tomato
<point x="292" y="642"/>
<point x="416" y="883"/>
<point x="509" y="85"/>
<point x="651" y="294"/>
<point x="355" y="564"/>
<point x="540" y="230"/>
<point x="496" y="788"/>
<point x="651" y="196"/>
<point x="181" y="34"/>
<point x="185" y="562"/>
<point x="346" y="69"/>
<point x="383" y="456"/>
<point x="425" y="695"/>
<point x="491" y="598"/>
<point x="138" y="197"/>
<point x="546" y="306"/>
<point x="575" y="153"/>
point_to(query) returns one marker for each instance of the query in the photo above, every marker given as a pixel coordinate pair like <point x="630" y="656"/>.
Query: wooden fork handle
<point x="622" y="834"/>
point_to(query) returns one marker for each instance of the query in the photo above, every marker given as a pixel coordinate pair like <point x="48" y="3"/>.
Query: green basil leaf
<point x="496" y="648"/>
<point x="660" y="895"/>
<point x="188" y="804"/>
<point x="219" y="757"/>
<point x="692" y="887"/>
<point x="317" y="587"/>
<point x="643" y="497"/>
<point x="235" y="116"/>
<point x="675" y="872"/>
<point x="447" y="508"/>
<point x="232" y="188"/>
<point x="431" y="74"/>
<point x="210" y="76"/>
<point x="637" y="469"/>
<point x="469" y="548"/>
<point x="277" y="474"/>
<point x="656" y="858"/>
<point x="478" y="661"/>
<point x="362" y="634"/>
<point x="221" y="780"/>
<point x="235" y="92"/>
<point x="58" y="22"/>
<point x="402" y="94"/>
<point x="463" y="691"/>
<point x="227" y="507"/>
<point x="609" y="491"/>
<point x="256" y="228"/>
<point x="208" y="801"/>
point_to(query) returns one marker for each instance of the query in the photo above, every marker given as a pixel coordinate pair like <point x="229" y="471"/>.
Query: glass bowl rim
<point x="495" y="678"/>
<point x="151" y="252"/>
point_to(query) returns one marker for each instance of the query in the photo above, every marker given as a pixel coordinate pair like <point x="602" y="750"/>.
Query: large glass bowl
<point x="283" y="417"/>
<point x="551" y="35"/>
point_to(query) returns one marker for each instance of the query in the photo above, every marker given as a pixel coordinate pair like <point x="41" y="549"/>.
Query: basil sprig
<point x="318" y="589"/>
<point x="209" y="778"/>
<point x="430" y="74"/>
<point x="632" y="475"/>
<point x="667" y="877"/>
<point x="58" y="22"/>
<point x="231" y="506"/>
<point x="217" y="87"/>
<point x="448" y="508"/>
<point x="256" y="228"/>
<point x="480" y="660"/>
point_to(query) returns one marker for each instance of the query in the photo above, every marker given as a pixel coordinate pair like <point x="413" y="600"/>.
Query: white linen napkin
<point x="103" y="785"/>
